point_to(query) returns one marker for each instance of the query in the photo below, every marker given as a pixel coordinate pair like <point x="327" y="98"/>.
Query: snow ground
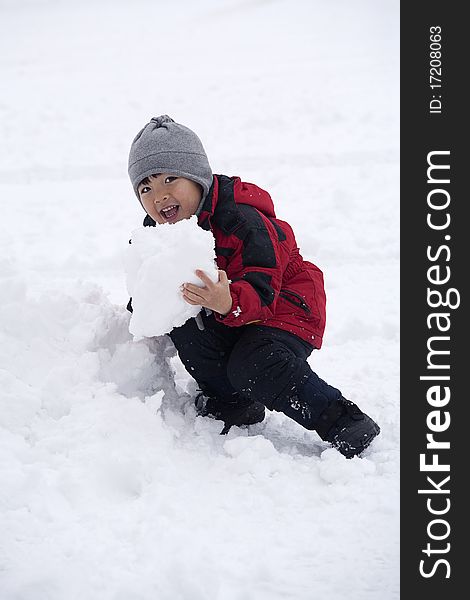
<point x="110" y="487"/>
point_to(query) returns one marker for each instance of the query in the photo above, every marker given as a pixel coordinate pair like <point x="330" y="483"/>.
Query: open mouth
<point x="170" y="212"/>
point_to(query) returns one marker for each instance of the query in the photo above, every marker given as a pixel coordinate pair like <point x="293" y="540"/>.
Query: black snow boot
<point x="236" y="411"/>
<point x="346" y="427"/>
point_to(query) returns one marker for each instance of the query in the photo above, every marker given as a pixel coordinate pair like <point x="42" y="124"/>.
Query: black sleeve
<point x="149" y="222"/>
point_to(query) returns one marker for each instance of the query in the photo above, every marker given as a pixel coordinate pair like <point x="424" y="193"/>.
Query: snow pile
<point x="104" y="462"/>
<point x="160" y="259"/>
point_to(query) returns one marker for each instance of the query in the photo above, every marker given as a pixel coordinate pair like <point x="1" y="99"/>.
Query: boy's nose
<point x="160" y="198"/>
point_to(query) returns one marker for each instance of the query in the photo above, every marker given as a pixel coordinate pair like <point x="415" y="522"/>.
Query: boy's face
<point x="169" y="199"/>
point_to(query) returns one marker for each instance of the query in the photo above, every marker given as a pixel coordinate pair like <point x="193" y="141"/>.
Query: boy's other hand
<point x="215" y="296"/>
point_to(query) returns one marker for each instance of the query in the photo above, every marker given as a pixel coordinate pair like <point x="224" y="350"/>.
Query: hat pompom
<point x="161" y="120"/>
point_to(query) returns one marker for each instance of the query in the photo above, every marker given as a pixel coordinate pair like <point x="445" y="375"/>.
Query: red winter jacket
<point x="271" y="284"/>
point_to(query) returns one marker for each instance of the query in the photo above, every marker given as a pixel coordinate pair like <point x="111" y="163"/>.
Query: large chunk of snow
<point x="160" y="259"/>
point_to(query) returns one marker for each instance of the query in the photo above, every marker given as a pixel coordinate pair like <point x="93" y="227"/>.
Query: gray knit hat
<point x="164" y="146"/>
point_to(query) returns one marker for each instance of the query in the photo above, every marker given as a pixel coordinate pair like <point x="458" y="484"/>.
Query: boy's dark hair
<point x="146" y="180"/>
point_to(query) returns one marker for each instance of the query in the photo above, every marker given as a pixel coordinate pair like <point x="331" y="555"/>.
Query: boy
<point x="247" y="349"/>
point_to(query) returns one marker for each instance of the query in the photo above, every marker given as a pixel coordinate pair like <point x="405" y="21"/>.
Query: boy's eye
<point x="144" y="189"/>
<point x="170" y="179"/>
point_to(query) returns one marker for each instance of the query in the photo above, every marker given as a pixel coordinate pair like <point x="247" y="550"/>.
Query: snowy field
<point x="110" y="487"/>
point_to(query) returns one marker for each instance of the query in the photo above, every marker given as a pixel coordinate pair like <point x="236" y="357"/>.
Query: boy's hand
<point x="215" y="296"/>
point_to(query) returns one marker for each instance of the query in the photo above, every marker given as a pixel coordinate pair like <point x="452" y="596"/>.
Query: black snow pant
<point x="263" y="363"/>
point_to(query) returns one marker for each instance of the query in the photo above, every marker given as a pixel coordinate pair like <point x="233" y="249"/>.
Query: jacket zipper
<point x="289" y="295"/>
